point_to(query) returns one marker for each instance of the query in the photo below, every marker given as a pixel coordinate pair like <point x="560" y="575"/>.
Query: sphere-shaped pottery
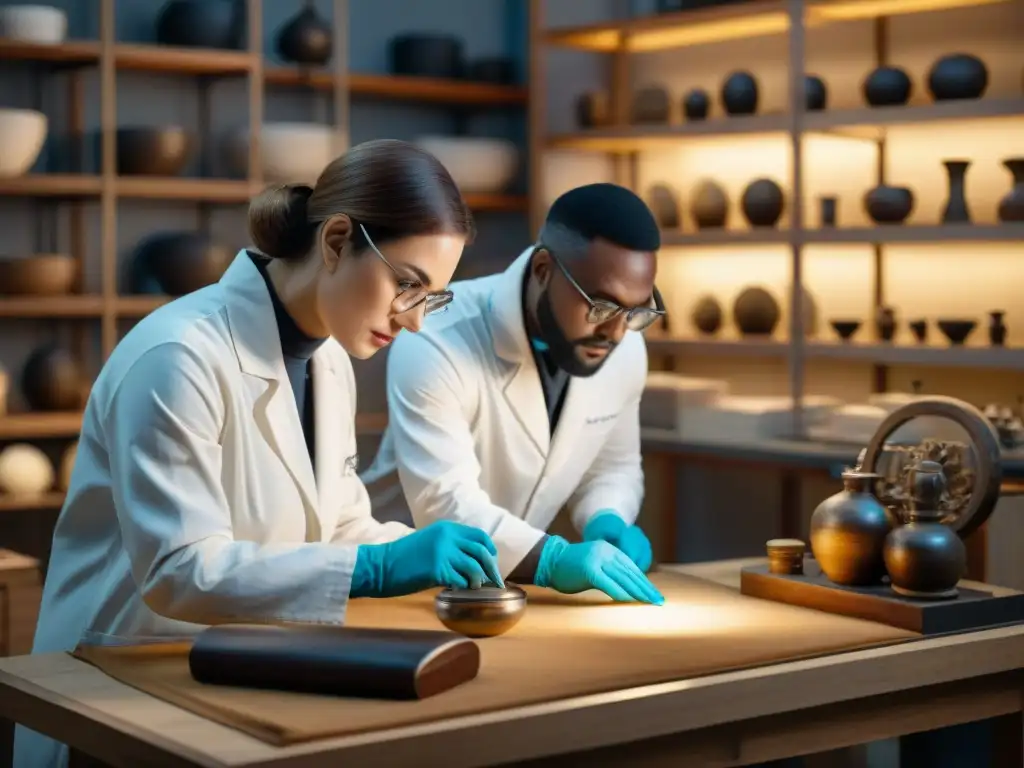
<point x="815" y="93"/>
<point x="202" y="24"/>
<point x="889" y="205"/>
<point x="178" y="263"/>
<point x="887" y="87"/>
<point x="664" y="205"/>
<point x="709" y="206"/>
<point x="306" y="39"/>
<point x="153" y="151"/>
<point x="756" y="312"/>
<point x="33" y="24"/>
<point x="427" y="55"/>
<point x="483" y="612"/>
<point x="958" y="76"/>
<point x="476" y="164"/>
<point x="696" y="104"/>
<point x="848" y="532"/>
<point x="740" y="94"/>
<point x="47" y="274"/>
<point x="22" y="134"/>
<point x="707" y="315"/>
<point x="25" y="471"/>
<point x="52" y="380"/>
<point x="650" y="106"/>
<point x="762" y="203"/>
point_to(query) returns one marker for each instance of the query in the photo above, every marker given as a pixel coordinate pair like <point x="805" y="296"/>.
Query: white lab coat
<point x="468" y="432"/>
<point x="193" y="500"/>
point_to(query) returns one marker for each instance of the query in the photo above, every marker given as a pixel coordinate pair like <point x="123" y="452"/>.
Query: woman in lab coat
<point x="216" y="479"/>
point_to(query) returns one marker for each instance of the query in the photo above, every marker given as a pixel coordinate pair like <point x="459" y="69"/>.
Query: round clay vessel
<point x="889" y="205"/>
<point x="815" y="93"/>
<point x="887" y="87"/>
<point x="707" y="315"/>
<point x="52" y="380"/>
<point x="1011" y="207"/>
<point x="709" y="206"/>
<point x="483" y="612"/>
<point x="48" y="274"/>
<point x="958" y="76"/>
<point x="25" y="471"/>
<point x="178" y="262"/>
<point x="650" y="106"/>
<point x="763" y="202"/>
<point x="848" y="532"/>
<point x="740" y="94"/>
<point x="756" y="312"/>
<point x="664" y="206"/>
<point x="593" y="109"/>
<point x="152" y="151"/>
<point x="202" y="24"/>
<point x="696" y="104"/>
<point x="306" y="39"/>
<point x="925" y="558"/>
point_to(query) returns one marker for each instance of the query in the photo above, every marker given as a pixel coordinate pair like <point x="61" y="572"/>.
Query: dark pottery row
<point x="956" y="331"/>
<point x="762" y="203"/>
<point x="755" y="311"/>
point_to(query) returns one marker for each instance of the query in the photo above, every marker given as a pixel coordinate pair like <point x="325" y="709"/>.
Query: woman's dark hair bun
<point x="279" y="222"/>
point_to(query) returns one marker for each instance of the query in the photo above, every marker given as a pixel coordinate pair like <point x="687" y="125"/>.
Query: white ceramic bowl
<point x="477" y="165"/>
<point x="291" y="152"/>
<point x="22" y="133"/>
<point x="25" y="471"/>
<point x="33" y="23"/>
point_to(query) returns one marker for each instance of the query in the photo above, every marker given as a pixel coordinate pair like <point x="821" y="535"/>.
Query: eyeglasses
<point x="411" y="293"/>
<point x="602" y="310"/>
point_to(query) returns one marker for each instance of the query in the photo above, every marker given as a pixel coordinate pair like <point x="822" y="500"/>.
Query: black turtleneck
<point x="297" y="348"/>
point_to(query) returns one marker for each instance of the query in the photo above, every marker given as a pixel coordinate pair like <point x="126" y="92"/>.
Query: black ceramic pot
<point x="762" y="203"/>
<point x="176" y="263"/>
<point x="499" y="70"/>
<point x="889" y="205"/>
<point x="52" y="380"/>
<point x="958" y="76"/>
<point x="815" y="93"/>
<point x="709" y="206"/>
<point x="707" y="315"/>
<point x="696" y="104"/>
<point x="152" y="151"/>
<point x="427" y="56"/>
<point x="202" y="24"/>
<point x="956" y="210"/>
<point x="650" y="106"/>
<point x="1011" y="206"/>
<point x="887" y="87"/>
<point x="593" y="110"/>
<point x="756" y="312"/>
<point x="739" y="94"/>
<point x="664" y="205"/>
<point x="306" y="39"/>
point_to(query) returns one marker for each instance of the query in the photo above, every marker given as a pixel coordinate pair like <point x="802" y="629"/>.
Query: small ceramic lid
<point x="487" y="594"/>
<point x="785" y="546"/>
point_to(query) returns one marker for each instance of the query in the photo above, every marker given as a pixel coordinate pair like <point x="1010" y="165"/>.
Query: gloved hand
<point x="444" y="554"/>
<point x="606" y="525"/>
<point x="572" y="568"/>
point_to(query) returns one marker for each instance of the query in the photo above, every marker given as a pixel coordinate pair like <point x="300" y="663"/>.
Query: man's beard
<point x="563" y="351"/>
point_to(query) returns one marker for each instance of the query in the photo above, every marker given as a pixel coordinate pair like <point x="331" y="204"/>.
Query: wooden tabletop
<point x="76" y="703"/>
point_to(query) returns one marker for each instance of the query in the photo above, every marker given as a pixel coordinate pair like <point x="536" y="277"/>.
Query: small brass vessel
<point x="925" y="558"/>
<point x="848" y="532"/>
<point x="786" y="556"/>
<point x="484" y="612"/>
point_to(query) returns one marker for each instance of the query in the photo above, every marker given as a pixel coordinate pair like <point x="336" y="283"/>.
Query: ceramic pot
<point x="710" y="206"/>
<point x="33" y="24"/>
<point x="177" y="262"/>
<point x="664" y="206"/>
<point x="956" y="331"/>
<point x="202" y="24"/>
<point x="423" y="55"/>
<point x="996" y="328"/>
<point x="25" y="471"/>
<point x="924" y="558"/>
<point x="650" y="106"/>
<point x="828" y="211"/>
<point x="483" y="612"/>
<point x="815" y="93"/>
<point x="52" y="380"/>
<point x="920" y="330"/>
<point x="763" y="202"/>
<point x="152" y="151"/>
<point x="289" y="152"/>
<point x="889" y="205"/>
<point x="22" y="135"/>
<point x="887" y="87"/>
<point x="593" y="110"/>
<point x="499" y="70"/>
<point x="707" y="315"/>
<point x="956" y="211"/>
<point x="885" y="323"/>
<point x="306" y="39"/>
<point x="696" y="104"/>
<point x="476" y="164"/>
<point x="756" y="312"/>
<point x="47" y="274"/>
<point x="739" y="94"/>
<point x="848" y="532"/>
<point x="958" y="76"/>
<point x="1011" y="207"/>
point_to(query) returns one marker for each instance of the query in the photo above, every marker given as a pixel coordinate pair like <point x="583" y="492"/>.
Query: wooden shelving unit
<point x="74" y="189"/>
<point x="625" y="39"/>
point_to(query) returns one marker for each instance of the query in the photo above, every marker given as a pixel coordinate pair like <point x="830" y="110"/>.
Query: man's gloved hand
<point x="572" y="568"/>
<point x="606" y="525"/>
<point x="444" y="554"/>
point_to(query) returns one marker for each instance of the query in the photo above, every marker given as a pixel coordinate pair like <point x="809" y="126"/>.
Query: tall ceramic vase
<point x="1011" y="207"/>
<point x="956" y="211"/>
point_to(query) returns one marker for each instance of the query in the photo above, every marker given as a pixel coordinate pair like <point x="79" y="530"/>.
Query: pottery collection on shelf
<point x="953" y="77"/>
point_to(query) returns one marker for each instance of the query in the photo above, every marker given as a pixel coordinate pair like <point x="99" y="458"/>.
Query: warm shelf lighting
<point x="851" y="10"/>
<point x="708" y="32"/>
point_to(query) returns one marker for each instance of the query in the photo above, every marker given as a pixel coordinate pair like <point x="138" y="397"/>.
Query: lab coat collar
<point x="505" y="308"/>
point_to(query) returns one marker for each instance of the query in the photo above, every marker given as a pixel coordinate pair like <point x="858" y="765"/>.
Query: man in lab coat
<point x="524" y="396"/>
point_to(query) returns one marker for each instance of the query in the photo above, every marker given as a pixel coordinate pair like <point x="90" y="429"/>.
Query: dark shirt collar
<point x="294" y="341"/>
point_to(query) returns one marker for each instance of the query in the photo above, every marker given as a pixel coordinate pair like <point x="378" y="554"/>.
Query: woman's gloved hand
<point x="572" y="568"/>
<point x="606" y="525"/>
<point x="444" y="554"/>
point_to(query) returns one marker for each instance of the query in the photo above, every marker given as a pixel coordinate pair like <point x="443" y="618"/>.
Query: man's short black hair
<point x="607" y="211"/>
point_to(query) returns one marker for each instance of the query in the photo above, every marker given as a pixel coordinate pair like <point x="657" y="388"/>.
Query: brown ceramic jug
<point x="848" y="531"/>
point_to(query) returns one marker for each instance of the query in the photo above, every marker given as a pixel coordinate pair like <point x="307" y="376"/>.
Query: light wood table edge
<point x="523" y="733"/>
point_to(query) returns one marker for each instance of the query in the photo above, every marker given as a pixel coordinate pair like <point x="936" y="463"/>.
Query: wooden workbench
<point x="721" y="720"/>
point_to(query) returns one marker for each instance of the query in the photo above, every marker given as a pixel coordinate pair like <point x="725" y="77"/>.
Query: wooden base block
<point x="976" y="605"/>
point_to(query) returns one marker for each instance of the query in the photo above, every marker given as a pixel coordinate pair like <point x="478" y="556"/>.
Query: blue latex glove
<point x="572" y="568"/>
<point x="444" y="554"/>
<point x="608" y="526"/>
